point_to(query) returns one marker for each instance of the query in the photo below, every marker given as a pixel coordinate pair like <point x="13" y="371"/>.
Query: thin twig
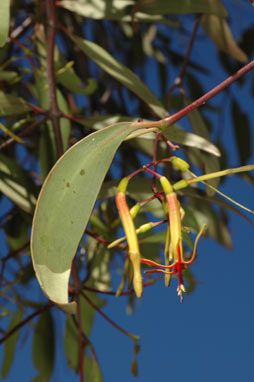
<point x="23" y="133"/>
<point x="25" y="321"/>
<point x="86" y="341"/>
<point x="206" y="97"/>
<point x="81" y="348"/>
<point x="179" y="79"/>
<point x="114" y="324"/>
<point x="9" y="256"/>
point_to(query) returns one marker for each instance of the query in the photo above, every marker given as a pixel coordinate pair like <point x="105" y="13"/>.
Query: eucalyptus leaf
<point x="12" y="105"/>
<point x="7" y="75"/>
<point x="121" y="73"/>
<point x="64" y="207"/>
<point x="16" y="184"/>
<point x="242" y="130"/>
<point x="218" y="30"/>
<point x="10" y="344"/>
<point x="182" y="7"/>
<point x="44" y="346"/>
<point x="92" y="370"/>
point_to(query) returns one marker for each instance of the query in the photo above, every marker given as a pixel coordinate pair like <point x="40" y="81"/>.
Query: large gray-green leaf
<point x="12" y="105"/>
<point x="121" y="73"/>
<point x="64" y="207"/>
<point x="4" y="21"/>
<point x="9" y="345"/>
<point x="44" y="346"/>
<point x="16" y="185"/>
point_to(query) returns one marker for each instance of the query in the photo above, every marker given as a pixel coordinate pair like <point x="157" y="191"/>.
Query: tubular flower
<point x="131" y="236"/>
<point x="175" y="250"/>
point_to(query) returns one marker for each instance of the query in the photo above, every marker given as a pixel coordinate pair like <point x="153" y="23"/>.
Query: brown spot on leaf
<point x="82" y="172"/>
<point x="67" y="184"/>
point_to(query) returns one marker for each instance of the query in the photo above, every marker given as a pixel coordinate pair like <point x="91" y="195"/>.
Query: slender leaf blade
<point x="10" y="344"/>
<point x="182" y="7"/>
<point x="218" y="30"/>
<point x="44" y="346"/>
<point x="12" y="105"/>
<point x="121" y="73"/>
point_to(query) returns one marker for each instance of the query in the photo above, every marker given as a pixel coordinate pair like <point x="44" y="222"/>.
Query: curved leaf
<point x="182" y="7"/>
<point x="10" y="344"/>
<point x="121" y="73"/>
<point x="64" y="207"/>
<point x="218" y="30"/>
<point x="16" y="185"/>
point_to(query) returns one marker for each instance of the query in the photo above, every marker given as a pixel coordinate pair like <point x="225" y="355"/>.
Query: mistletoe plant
<point x="97" y="169"/>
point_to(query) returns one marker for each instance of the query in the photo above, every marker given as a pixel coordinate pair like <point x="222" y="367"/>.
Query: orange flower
<point x="175" y="250"/>
<point x="131" y="235"/>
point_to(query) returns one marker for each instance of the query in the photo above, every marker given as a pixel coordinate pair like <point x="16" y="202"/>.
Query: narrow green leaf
<point x="70" y="80"/>
<point x="92" y="370"/>
<point x="121" y="73"/>
<point x="10" y="133"/>
<point x="7" y="75"/>
<point x="44" y="346"/>
<point x="64" y="207"/>
<point x="16" y="185"/>
<point x="12" y="105"/>
<point x="198" y="213"/>
<point x="4" y="21"/>
<point x="242" y="132"/>
<point x="10" y="344"/>
<point x="182" y="7"/>
<point x="218" y="30"/>
<point x="16" y="231"/>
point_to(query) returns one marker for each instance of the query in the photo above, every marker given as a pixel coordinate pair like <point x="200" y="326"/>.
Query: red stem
<point x="114" y="324"/>
<point x="179" y="79"/>
<point x="81" y="348"/>
<point x="202" y="100"/>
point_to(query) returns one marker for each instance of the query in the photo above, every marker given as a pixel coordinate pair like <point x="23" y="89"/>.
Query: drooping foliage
<point x="93" y="95"/>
